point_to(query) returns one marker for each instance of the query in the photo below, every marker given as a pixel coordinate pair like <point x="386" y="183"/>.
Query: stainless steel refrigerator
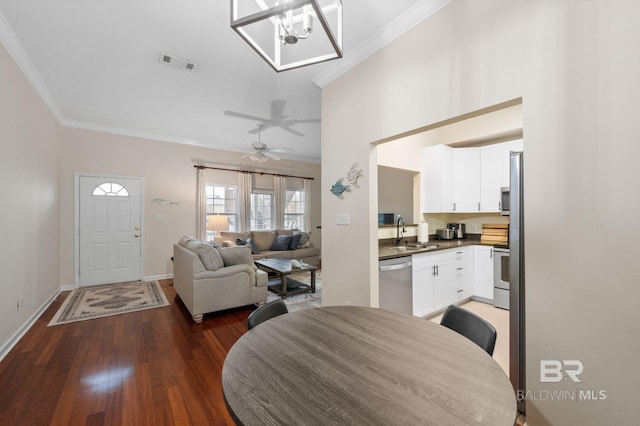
<point x="517" y="284"/>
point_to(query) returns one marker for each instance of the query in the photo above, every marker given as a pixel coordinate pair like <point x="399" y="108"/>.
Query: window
<point x="110" y="189"/>
<point x="261" y="210"/>
<point x="222" y="199"/>
<point x="294" y="212"/>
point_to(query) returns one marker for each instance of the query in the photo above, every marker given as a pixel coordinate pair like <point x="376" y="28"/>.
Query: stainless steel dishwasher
<point x="395" y="277"/>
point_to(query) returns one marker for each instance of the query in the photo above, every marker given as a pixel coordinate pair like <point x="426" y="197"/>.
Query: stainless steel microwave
<point x="504" y="201"/>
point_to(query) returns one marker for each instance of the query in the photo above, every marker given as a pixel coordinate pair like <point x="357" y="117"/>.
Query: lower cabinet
<point x="483" y="272"/>
<point x="441" y="278"/>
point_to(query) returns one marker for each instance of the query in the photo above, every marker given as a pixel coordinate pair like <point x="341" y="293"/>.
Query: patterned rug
<point x="305" y="300"/>
<point x="97" y="302"/>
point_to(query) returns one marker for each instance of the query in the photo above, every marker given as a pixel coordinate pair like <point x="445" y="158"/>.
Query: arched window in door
<point x="110" y="189"/>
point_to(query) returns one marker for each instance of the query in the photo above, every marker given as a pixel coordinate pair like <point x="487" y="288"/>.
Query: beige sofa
<point x="209" y="279"/>
<point x="287" y="244"/>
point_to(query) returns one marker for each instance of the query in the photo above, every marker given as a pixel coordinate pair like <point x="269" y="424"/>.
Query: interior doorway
<point x="109" y="229"/>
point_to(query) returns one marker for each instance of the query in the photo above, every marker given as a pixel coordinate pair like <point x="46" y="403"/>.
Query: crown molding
<point x="16" y="51"/>
<point x="410" y="18"/>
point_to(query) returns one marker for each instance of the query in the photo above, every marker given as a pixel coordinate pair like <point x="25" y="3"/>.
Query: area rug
<point x="97" y="302"/>
<point x="298" y="302"/>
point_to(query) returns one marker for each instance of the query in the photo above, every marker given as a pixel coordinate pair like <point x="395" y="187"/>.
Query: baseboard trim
<point x="158" y="277"/>
<point x="15" y="338"/>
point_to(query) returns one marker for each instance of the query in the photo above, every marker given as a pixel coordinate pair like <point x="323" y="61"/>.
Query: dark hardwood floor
<point x="153" y="367"/>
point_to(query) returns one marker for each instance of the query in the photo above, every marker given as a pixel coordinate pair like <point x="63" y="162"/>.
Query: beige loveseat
<point x="287" y="244"/>
<point x="209" y="279"/>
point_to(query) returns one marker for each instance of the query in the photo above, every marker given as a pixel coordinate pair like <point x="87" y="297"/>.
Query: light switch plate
<point x="343" y="219"/>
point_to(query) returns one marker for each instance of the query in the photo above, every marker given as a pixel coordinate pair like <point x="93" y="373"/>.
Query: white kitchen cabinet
<point x="441" y="278"/>
<point x="483" y="272"/>
<point x="463" y="270"/>
<point x="436" y="179"/>
<point x="466" y="180"/>
<point x="491" y="165"/>
<point x="423" y="283"/>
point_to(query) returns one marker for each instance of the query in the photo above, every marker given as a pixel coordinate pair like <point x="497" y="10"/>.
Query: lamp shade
<point x="290" y="34"/>
<point x="217" y="222"/>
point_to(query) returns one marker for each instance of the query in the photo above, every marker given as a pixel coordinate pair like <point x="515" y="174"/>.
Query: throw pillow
<point x="241" y="241"/>
<point x="209" y="256"/>
<point x="227" y="243"/>
<point x="281" y="243"/>
<point x="295" y="241"/>
<point x="254" y="247"/>
<point x="237" y="256"/>
<point x="304" y="240"/>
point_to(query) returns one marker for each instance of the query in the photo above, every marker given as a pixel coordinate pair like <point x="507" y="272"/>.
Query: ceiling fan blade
<point x="242" y="115"/>
<point x="295" y="132"/>
<point x="280" y="150"/>
<point x="272" y="156"/>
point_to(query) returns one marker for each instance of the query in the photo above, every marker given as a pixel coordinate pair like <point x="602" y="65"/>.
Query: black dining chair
<point x="470" y="326"/>
<point x="266" y="312"/>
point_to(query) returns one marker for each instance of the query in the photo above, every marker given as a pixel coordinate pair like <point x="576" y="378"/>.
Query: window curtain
<point x="280" y="199"/>
<point x="307" y="205"/>
<point x="244" y="200"/>
<point x="201" y="206"/>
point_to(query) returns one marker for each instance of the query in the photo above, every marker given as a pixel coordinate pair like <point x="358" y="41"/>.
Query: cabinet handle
<point x="454" y="207"/>
<point x="499" y="206"/>
<point x="460" y="290"/>
<point x="491" y="254"/>
<point x="460" y="269"/>
<point x="478" y="206"/>
<point x="433" y="270"/>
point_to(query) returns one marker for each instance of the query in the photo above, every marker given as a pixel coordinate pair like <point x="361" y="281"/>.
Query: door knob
<point x="136" y="235"/>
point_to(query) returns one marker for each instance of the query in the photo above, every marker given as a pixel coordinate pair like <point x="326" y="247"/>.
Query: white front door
<point x="109" y="230"/>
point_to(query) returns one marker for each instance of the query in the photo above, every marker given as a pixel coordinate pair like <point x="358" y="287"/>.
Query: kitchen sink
<point x="415" y="246"/>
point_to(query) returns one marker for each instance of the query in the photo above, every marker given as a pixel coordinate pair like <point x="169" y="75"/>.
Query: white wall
<point x="169" y="173"/>
<point x="572" y="64"/>
<point x="395" y="192"/>
<point x="29" y="209"/>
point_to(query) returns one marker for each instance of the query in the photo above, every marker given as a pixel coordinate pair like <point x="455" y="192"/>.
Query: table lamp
<point x="217" y="223"/>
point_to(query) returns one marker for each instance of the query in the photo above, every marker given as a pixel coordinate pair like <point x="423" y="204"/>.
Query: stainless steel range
<point x="501" y="277"/>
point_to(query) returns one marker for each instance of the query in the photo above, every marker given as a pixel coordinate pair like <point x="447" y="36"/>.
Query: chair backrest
<point x="471" y="326"/>
<point x="265" y="312"/>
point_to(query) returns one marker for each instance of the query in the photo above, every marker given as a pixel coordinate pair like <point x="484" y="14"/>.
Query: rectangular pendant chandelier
<point x="290" y="34"/>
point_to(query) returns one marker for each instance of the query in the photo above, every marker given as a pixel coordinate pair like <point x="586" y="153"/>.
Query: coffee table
<point x="285" y="286"/>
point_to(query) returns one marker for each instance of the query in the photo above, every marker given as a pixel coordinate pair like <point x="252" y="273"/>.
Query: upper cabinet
<point x="436" y="179"/>
<point x="465" y="180"/>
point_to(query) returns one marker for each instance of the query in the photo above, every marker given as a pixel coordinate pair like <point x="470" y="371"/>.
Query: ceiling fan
<point x="277" y="118"/>
<point x="260" y="152"/>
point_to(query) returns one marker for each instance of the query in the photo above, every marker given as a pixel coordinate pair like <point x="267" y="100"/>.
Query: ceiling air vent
<point x="177" y="62"/>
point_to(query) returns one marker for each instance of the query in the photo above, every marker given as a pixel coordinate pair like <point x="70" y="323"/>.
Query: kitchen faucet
<point x="398" y="237"/>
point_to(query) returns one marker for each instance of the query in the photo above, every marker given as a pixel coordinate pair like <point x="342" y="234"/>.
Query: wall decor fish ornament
<point x="353" y="175"/>
<point x="338" y="189"/>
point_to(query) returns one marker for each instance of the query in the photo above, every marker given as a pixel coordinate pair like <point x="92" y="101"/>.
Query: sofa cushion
<point x="305" y="252"/>
<point x="264" y="239"/>
<point x="295" y="241"/>
<point x="231" y="236"/>
<point x="236" y="256"/>
<point x="281" y="243"/>
<point x="209" y="256"/>
<point x="304" y="239"/>
<point x="185" y="240"/>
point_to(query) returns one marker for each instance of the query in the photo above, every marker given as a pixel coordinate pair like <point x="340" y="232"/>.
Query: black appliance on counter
<point x="459" y="230"/>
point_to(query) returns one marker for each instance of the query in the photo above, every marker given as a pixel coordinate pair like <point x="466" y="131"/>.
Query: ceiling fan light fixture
<point x="275" y="28"/>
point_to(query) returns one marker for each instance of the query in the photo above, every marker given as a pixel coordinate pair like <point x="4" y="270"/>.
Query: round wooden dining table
<point x="347" y="365"/>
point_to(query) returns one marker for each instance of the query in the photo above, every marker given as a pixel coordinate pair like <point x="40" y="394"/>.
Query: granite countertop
<point x="391" y="252"/>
